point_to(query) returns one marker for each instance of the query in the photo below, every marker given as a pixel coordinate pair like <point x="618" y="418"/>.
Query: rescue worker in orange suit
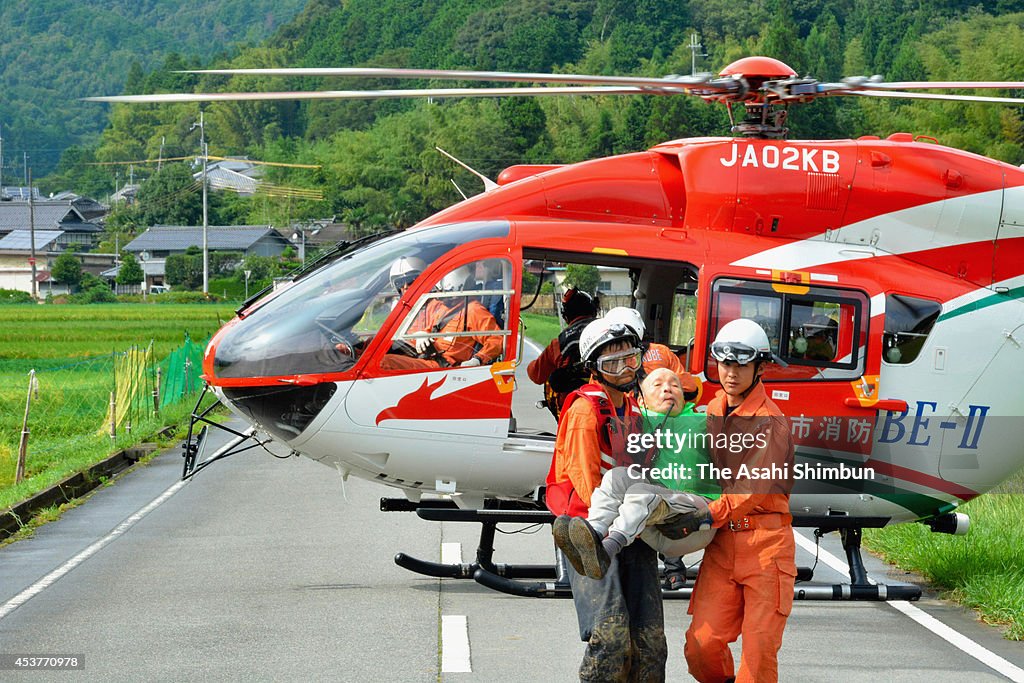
<point x="558" y="367"/>
<point x="443" y="318"/>
<point x="659" y="356"/>
<point x="745" y="584"/>
<point x="620" y="614"/>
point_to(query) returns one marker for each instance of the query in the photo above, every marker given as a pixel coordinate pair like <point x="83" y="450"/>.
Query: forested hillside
<point x="378" y="161"/>
<point x="52" y="52"/>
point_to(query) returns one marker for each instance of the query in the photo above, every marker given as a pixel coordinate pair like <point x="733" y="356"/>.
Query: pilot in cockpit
<point x="403" y="272"/>
<point x="441" y="316"/>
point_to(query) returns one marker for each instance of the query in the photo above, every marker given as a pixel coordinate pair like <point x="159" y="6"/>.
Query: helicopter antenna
<point x="488" y="183"/>
<point x="458" y="188"/>
<point x="696" y="50"/>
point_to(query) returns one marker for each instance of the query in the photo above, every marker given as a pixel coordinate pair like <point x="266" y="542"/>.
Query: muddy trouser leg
<point x="640" y="585"/>
<point x="645" y="505"/>
<point x="606" y="498"/>
<point x="604" y="624"/>
<point x="621" y="619"/>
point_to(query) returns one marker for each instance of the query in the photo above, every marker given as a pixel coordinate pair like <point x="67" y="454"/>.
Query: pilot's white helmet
<point x="460" y="279"/>
<point x="742" y="341"/>
<point x="405" y="270"/>
<point x="630" y="317"/>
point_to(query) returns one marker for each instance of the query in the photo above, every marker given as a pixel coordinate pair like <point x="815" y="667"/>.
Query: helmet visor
<point x="403" y="280"/>
<point x="734" y="351"/>
<point x="618" y="363"/>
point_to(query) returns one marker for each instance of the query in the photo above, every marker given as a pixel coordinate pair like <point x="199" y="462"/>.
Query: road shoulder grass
<point x="983" y="570"/>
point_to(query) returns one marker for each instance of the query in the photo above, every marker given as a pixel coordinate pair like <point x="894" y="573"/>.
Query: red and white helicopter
<point x="905" y="256"/>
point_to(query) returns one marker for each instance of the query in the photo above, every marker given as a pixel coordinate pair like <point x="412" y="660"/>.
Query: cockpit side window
<point x="908" y="321"/>
<point x="322" y="322"/>
<point x="462" y="321"/>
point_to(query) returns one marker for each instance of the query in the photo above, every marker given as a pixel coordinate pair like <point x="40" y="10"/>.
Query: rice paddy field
<point x="74" y="351"/>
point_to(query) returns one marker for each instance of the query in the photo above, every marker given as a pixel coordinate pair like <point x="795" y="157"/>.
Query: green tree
<point x="582" y="277"/>
<point x="67" y="270"/>
<point x="171" y="197"/>
<point x="130" y="272"/>
<point x="185" y="271"/>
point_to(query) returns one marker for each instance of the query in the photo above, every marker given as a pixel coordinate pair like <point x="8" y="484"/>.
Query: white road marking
<point x="451" y="553"/>
<point x="455" y="645"/>
<point x="947" y="633"/>
<point x="54" y="576"/>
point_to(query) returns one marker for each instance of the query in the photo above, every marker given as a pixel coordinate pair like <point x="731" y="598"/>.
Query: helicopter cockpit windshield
<point x="322" y="322"/>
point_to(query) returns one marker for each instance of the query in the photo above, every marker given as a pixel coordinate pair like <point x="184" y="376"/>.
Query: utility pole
<point x="206" y="251"/>
<point x="696" y="50"/>
<point x="32" y="234"/>
<point x="1" y="161"/>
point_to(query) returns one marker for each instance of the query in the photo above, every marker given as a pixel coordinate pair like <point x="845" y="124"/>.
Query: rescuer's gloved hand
<point x="683" y="524"/>
<point x="422" y="344"/>
<point x="471" y="362"/>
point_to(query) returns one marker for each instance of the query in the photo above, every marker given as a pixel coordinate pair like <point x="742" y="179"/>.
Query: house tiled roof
<point x="180" y="238"/>
<point x="226" y="179"/>
<point x="14" y="215"/>
<point x="21" y="240"/>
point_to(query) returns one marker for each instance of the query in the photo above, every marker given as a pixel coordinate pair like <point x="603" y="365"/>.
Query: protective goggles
<point x="734" y="351"/>
<point x="618" y="363"/>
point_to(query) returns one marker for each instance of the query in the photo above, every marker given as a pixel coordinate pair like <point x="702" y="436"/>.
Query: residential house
<point x="78" y="232"/>
<point x="238" y="175"/>
<point x="157" y="243"/>
<point x="15" y="258"/>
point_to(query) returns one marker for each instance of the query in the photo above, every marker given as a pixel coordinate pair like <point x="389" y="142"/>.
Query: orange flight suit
<point x="745" y="584"/>
<point x="454" y="350"/>
<point x="587" y="446"/>
<point x="549" y="360"/>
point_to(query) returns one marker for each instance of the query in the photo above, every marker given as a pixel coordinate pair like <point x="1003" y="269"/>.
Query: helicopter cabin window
<point x="461" y="322"/>
<point x="819" y="332"/>
<point x="908" y="321"/>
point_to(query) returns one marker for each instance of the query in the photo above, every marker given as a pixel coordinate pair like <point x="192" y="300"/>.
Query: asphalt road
<point x="271" y="569"/>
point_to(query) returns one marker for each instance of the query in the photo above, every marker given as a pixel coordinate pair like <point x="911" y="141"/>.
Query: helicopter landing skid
<point x="489" y="519"/>
<point x="195" y="442"/>
<point x="504" y="577"/>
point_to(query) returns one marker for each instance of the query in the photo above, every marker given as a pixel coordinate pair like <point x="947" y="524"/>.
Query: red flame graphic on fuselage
<point x="478" y="401"/>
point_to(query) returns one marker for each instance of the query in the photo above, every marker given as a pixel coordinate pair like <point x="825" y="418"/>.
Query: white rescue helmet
<point x="742" y="341"/>
<point x="601" y="332"/>
<point x="405" y="270"/>
<point x="630" y="317"/>
<point x="460" y="279"/>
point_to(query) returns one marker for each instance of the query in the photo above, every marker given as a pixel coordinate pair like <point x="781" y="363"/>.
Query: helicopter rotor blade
<point x="704" y="82"/>
<point x="381" y="94"/>
<point x="944" y="85"/>
<point x="948" y="97"/>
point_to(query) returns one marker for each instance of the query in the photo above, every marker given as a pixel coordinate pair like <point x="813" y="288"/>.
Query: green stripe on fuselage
<point x="990" y="300"/>
<point x="918" y="503"/>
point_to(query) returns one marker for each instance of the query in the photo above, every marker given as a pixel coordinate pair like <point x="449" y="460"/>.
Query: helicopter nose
<point x="283" y="411"/>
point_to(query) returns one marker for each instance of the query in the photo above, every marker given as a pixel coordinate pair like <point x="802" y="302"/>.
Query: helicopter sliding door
<point x="828" y="386"/>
